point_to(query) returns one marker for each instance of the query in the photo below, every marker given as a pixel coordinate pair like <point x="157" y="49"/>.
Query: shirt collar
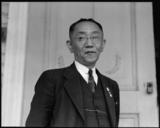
<point x="82" y="68"/>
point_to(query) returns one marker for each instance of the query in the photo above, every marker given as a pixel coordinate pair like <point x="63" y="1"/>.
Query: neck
<point x="90" y="66"/>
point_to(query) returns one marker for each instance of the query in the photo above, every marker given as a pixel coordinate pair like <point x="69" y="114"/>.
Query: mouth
<point x="89" y="52"/>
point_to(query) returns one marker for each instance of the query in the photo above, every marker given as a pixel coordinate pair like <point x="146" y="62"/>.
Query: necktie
<point x="91" y="81"/>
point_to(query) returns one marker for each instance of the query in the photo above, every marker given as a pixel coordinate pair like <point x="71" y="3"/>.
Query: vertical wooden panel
<point x="12" y="89"/>
<point x="35" y="50"/>
<point x="116" y="59"/>
<point x="146" y="65"/>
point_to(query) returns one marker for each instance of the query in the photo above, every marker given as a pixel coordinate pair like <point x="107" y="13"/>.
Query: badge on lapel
<point x="108" y="90"/>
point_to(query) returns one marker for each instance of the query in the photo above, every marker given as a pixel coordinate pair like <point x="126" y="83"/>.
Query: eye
<point x="81" y="38"/>
<point x="95" y="38"/>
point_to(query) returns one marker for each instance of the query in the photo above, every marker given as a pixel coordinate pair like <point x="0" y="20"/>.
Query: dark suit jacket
<point x="58" y="99"/>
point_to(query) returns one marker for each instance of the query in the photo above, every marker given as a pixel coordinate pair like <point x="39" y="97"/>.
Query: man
<point x="78" y="95"/>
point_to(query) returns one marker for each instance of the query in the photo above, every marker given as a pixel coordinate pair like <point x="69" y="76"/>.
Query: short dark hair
<point x="71" y="29"/>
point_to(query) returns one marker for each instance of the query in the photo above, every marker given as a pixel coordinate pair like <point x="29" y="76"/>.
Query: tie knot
<point x="91" y="81"/>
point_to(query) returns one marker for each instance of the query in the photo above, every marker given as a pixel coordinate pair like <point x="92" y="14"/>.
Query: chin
<point x="91" y="61"/>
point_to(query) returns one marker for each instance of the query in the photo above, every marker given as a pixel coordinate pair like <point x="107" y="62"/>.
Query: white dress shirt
<point x="83" y="70"/>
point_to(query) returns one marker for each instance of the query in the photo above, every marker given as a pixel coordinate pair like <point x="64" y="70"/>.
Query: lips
<point x="88" y="52"/>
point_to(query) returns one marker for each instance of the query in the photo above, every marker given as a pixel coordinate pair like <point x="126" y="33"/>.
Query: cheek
<point x="77" y="49"/>
<point x="99" y="48"/>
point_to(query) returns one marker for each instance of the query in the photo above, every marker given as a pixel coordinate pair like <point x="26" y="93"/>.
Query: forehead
<point x="87" y="27"/>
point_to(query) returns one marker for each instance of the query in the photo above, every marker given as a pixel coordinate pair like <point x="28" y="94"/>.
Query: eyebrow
<point x="81" y="32"/>
<point x="94" y="32"/>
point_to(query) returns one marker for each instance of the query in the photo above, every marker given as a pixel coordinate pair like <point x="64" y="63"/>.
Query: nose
<point x="89" y="42"/>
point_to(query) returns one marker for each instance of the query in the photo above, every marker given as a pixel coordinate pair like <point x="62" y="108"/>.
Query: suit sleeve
<point x="42" y="103"/>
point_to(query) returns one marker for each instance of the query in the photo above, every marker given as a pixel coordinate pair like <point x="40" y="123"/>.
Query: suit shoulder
<point x="110" y="81"/>
<point x="50" y="73"/>
<point x="53" y="71"/>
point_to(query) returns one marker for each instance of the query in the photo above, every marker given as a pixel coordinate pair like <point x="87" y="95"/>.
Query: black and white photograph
<point x="80" y="64"/>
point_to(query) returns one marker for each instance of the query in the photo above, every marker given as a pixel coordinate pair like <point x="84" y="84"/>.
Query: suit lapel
<point x="73" y="88"/>
<point x="109" y="99"/>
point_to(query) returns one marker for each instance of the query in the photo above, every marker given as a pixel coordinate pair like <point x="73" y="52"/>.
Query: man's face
<point x="86" y="43"/>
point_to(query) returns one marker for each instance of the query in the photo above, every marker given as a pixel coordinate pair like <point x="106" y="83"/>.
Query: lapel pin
<point x="110" y="94"/>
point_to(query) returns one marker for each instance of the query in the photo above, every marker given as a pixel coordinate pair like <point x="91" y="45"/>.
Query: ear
<point x="69" y="45"/>
<point x="103" y="44"/>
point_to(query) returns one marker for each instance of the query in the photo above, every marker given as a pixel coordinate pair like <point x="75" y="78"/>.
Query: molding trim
<point x="129" y="118"/>
<point x="133" y="45"/>
<point x="50" y="36"/>
<point x="116" y="66"/>
<point x="61" y="63"/>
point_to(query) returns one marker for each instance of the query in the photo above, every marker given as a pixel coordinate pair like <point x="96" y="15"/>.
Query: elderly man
<point x="78" y="95"/>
